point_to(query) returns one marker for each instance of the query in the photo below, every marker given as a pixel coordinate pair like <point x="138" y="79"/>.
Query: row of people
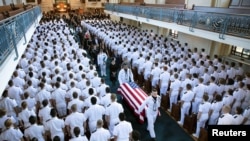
<point x="60" y="77"/>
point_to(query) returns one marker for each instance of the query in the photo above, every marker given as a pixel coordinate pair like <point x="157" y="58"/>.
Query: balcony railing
<point x="13" y="29"/>
<point x="229" y="24"/>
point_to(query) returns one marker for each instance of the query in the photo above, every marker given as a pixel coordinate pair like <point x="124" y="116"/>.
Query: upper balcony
<point x="231" y="27"/>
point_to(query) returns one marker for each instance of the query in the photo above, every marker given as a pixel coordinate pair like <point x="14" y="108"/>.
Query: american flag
<point x="134" y="96"/>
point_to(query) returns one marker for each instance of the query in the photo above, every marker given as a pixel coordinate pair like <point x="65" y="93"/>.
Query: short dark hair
<point x="77" y="131"/>
<point x="93" y="100"/>
<point x="53" y="112"/>
<point x="32" y="119"/>
<point x="122" y="116"/>
<point x="136" y="135"/>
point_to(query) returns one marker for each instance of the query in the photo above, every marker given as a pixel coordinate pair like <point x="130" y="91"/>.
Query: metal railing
<point x="13" y="29"/>
<point x="222" y="23"/>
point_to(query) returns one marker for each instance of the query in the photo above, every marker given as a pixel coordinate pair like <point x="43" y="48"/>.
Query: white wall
<point x="114" y="18"/>
<point x="194" y="41"/>
<point x="198" y="3"/>
<point x="1" y="2"/>
<point x="149" y="27"/>
<point x="160" y="1"/>
<point x="150" y="1"/>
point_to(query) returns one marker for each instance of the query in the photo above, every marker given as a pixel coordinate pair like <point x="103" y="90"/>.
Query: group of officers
<point x="55" y="93"/>
<point x="205" y="86"/>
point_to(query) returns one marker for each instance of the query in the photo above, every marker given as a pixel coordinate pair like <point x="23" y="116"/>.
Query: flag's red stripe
<point x="133" y="94"/>
<point x="140" y="94"/>
<point x="127" y="98"/>
<point x="134" y="98"/>
<point x="131" y="104"/>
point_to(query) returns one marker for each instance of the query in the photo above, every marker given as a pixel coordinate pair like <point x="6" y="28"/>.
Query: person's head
<point x="77" y="131"/>
<point x="113" y="97"/>
<point x="122" y="116"/>
<point x="75" y="95"/>
<point x="125" y="66"/>
<point x="45" y="102"/>
<point x="8" y="123"/>
<point x="53" y="112"/>
<point x="99" y="123"/>
<point x="2" y="112"/>
<point x="188" y="86"/>
<point x="136" y="136"/>
<point x="93" y="100"/>
<point x="239" y="110"/>
<point x="56" y="138"/>
<point x="205" y="97"/>
<point x="73" y="108"/>
<point x="24" y="105"/>
<point x="226" y="109"/>
<point x="91" y="91"/>
<point x="107" y="89"/>
<point x="154" y="92"/>
<point x="32" y="119"/>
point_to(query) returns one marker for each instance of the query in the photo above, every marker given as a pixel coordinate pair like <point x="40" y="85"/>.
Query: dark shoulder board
<point x="116" y="123"/>
<point x="108" y="105"/>
<point x="235" y="116"/>
<point x="48" y="120"/>
<point x="93" y="131"/>
<point x="221" y="116"/>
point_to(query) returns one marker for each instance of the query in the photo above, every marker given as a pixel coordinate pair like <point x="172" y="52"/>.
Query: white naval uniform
<point x="122" y="130"/>
<point x="79" y="138"/>
<point x="100" y="134"/>
<point x="164" y="81"/>
<point x="101" y="60"/>
<point x="186" y="98"/>
<point x="215" y="108"/>
<point x="238" y="119"/>
<point x="36" y="131"/>
<point x="225" y="119"/>
<point x="73" y="120"/>
<point x="246" y="114"/>
<point x="11" y="134"/>
<point x="113" y="110"/>
<point x="93" y="114"/>
<point x="152" y="111"/>
<point x="125" y="76"/>
<point x="174" y="88"/>
<point x="199" y="92"/>
<point x="55" y="126"/>
<point x="203" y="110"/>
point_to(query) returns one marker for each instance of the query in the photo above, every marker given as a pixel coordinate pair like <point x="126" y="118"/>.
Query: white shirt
<point x="100" y="134"/>
<point x="24" y="116"/>
<point x="125" y="76"/>
<point x="35" y="131"/>
<point x="75" y="119"/>
<point x="122" y="131"/>
<point x="79" y="138"/>
<point x="225" y="119"/>
<point x="94" y="113"/>
<point x="113" y="110"/>
<point x="55" y="126"/>
<point x="11" y="135"/>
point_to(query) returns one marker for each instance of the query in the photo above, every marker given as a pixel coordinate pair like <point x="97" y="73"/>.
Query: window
<point x="240" y="52"/>
<point x="173" y="33"/>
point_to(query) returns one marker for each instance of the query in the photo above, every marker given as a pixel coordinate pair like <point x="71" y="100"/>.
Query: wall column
<point x="160" y="1"/>
<point x="222" y="3"/>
